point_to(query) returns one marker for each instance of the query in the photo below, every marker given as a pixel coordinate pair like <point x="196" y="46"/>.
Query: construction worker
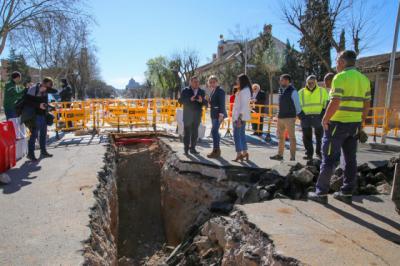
<point x="351" y="95"/>
<point x="313" y="101"/>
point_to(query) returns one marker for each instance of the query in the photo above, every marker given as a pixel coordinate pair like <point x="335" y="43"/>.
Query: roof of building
<point x="231" y="52"/>
<point x="375" y="62"/>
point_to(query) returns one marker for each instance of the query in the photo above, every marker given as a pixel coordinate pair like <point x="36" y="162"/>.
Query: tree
<point x="260" y="73"/>
<point x="342" y="41"/>
<point x="99" y="89"/>
<point x="162" y="77"/>
<point x="17" y="14"/>
<point x="292" y="65"/>
<point x="318" y="22"/>
<point x="16" y="62"/>
<point x="273" y="62"/>
<point x="185" y="64"/>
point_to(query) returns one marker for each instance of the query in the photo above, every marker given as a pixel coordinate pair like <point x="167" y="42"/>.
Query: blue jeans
<point x="239" y="136"/>
<point x="10" y="113"/>
<point x="41" y="129"/>
<point x="339" y="137"/>
<point x="215" y="133"/>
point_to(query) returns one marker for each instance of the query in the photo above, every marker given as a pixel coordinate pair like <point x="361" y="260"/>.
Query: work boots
<point x="216" y="153"/>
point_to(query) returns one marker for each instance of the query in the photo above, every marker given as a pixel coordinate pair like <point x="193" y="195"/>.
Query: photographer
<point x="36" y="104"/>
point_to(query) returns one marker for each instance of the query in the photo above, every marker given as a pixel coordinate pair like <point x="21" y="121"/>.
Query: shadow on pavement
<point x="20" y="177"/>
<point x="390" y="236"/>
<point x="377" y="216"/>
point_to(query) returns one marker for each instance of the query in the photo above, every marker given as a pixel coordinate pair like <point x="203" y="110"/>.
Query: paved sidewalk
<point x="44" y="212"/>
<point x="365" y="233"/>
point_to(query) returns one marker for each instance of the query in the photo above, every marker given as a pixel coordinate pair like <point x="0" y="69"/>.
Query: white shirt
<point x="241" y="106"/>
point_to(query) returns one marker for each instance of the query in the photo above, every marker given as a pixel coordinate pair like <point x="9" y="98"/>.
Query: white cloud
<point x="121" y="82"/>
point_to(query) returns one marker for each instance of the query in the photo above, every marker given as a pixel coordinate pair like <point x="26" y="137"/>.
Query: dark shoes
<point x="346" y="198"/>
<point x="193" y="151"/>
<point x="216" y="153"/>
<point x="45" y="154"/>
<point x="31" y="157"/>
<point x="277" y="157"/>
<point x="323" y="199"/>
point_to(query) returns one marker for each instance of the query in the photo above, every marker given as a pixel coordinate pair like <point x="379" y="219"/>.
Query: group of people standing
<point x="30" y="103"/>
<point x="335" y="118"/>
<point x="193" y="98"/>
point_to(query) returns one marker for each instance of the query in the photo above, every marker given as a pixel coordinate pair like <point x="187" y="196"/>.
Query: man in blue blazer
<point x="193" y="99"/>
<point x="217" y="112"/>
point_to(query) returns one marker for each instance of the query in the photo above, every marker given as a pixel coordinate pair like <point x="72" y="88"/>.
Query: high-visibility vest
<point x="313" y="102"/>
<point x="352" y="89"/>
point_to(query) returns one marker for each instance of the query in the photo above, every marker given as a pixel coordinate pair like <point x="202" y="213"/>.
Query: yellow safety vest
<point x="313" y="102"/>
<point x="352" y="89"/>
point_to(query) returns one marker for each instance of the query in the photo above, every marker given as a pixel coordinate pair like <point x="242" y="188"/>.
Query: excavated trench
<point x="149" y="203"/>
<point x="153" y="209"/>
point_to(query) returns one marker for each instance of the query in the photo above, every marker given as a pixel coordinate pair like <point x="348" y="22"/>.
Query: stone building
<point x="376" y="68"/>
<point x="228" y="54"/>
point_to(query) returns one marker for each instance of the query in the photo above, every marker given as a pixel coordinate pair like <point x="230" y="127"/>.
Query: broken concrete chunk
<point x="251" y="196"/>
<point x="221" y="207"/>
<point x="282" y="169"/>
<point x="241" y="191"/>
<point x="368" y="190"/>
<point x="264" y="194"/>
<point x="303" y="176"/>
<point x="336" y="183"/>
<point x="384" y="188"/>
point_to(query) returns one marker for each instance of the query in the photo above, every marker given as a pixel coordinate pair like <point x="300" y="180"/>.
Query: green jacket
<point x="12" y="93"/>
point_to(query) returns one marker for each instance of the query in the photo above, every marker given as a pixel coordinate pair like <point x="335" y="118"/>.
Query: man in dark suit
<point x="258" y="98"/>
<point x="193" y="99"/>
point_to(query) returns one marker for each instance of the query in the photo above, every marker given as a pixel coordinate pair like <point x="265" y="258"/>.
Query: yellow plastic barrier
<point x="103" y="113"/>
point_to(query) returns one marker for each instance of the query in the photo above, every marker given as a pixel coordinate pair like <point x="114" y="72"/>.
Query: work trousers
<point x="340" y="137"/>
<point x="239" y="136"/>
<point x="190" y="133"/>
<point x="289" y="125"/>
<point x="309" y="123"/>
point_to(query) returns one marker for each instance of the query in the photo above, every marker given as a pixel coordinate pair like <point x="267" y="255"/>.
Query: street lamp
<point x="391" y="73"/>
<point x="246" y="65"/>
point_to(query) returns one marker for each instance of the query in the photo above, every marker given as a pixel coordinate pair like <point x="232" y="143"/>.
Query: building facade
<point x="229" y="55"/>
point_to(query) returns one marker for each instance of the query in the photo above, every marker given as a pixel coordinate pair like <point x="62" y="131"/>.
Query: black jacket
<point x="34" y="98"/>
<point x="261" y="99"/>
<point x="192" y="111"/>
<point x="217" y="103"/>
<point x="66" y="94"/>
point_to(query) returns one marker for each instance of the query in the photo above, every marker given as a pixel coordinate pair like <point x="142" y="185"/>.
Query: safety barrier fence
<point x="132" y="113"/>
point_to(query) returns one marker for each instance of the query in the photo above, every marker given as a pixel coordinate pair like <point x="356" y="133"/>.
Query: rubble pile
<point x="228" y="240"/>
<point x="294" y="181"/>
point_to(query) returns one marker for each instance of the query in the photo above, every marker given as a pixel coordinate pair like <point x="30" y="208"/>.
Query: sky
<point x="130" y="32"/>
